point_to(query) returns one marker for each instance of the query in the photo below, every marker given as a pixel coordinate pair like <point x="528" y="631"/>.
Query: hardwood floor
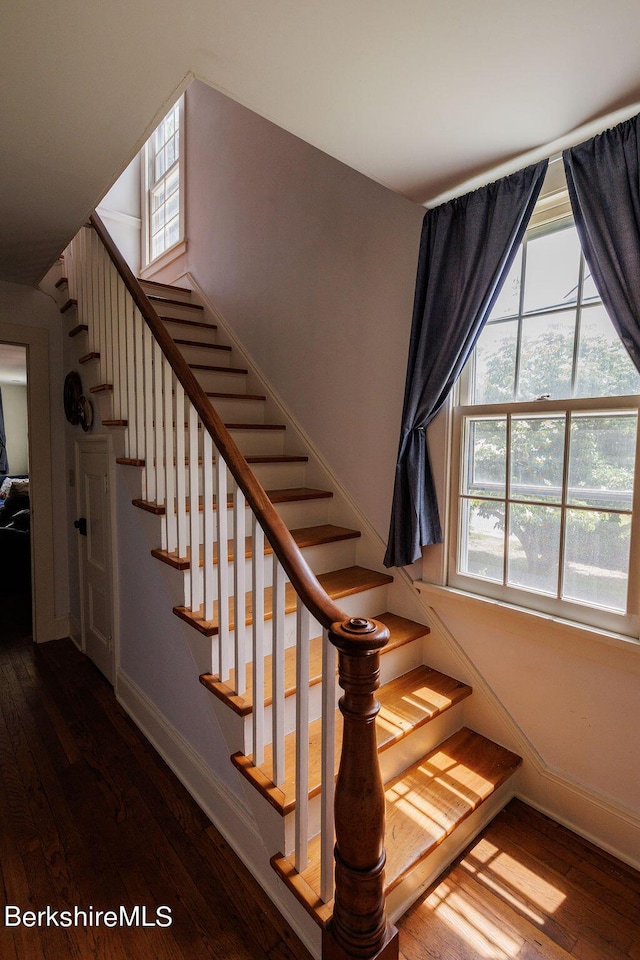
<point x="529" y="889"/>
<point x="91" y="817"/>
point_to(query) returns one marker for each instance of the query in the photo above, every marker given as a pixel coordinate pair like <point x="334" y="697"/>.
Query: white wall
<point x="16" y="422"/>
<point x="120" y="211"/>
<point x="314" y="266"/>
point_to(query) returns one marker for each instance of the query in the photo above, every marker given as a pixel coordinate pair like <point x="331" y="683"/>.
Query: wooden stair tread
<point x="200" y="324"/>
<point x="71" y="302"/>
<point x="89" y="357"/>
<point x="130" y="461"/>
<point x="405" y="631"/>
<point x="175" y="303"/>
<point x="61" y="282"/>
<point x="165" y="286"/>
<point x="304" y="537"/>
<point x="102" y="388"/>
<point x="78" y="329"/>
<point x="235" y="396"/>
<point x="285" y="495"/>
<point x="406" y="704"/>
<point x="337" y="583"/>
<point x="424" y="805"/>
<point x="213" y="369"/>
<point x="115" y="423"/>
<point x="184" y="342"/>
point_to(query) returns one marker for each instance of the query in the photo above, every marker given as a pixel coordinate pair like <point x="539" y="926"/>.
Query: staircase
<point x="272" y="591"/>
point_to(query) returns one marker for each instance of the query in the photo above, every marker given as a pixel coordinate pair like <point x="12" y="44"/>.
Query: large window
<point x="164" y="208"/>
<point x="548" y="434"/>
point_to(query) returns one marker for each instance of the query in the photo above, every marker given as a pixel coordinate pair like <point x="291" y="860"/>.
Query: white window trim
<point x="179" y="246"/>
<point x="591" y="615"/>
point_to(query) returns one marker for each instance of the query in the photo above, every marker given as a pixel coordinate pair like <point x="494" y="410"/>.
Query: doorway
<point x="15" y="503"/>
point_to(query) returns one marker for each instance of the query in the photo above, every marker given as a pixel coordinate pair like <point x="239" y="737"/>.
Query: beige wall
<point x="314" y="267"/>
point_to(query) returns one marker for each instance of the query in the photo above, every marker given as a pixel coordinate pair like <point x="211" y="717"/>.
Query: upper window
<point x="164" y="207"/>
<point x="547" y="434"/>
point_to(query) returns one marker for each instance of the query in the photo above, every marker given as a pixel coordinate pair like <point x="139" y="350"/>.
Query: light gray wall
<point x="16" y="422"/>
<point x="314" y="266"/>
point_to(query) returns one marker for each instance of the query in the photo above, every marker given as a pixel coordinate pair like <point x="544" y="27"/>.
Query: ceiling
<point x="421" y="95"/>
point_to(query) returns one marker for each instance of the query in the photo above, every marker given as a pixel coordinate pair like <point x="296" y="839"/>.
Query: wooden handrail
<point x="284" y="546"/>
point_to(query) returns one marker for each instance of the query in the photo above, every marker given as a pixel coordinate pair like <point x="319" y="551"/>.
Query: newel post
<point x="359" y="927"/>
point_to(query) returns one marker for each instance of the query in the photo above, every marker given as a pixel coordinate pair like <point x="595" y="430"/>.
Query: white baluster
<point x="328" y="765"/>
<point x="303" y="632"/>
<point x="209" y="529"/>
<point x="258" y="642"/>
<point x="239" y="591"/>
<point x="138" y="377"/>
<point x="128" y="327"/>
<point x="277" y="672"/>
<point x="158" y="436"/>
<point x="181" y="483"/>
<point x="149" y="453"/>
<point x="194" y="508"/>
<point x="169" y="458"/>
<point x="223" y="569"/>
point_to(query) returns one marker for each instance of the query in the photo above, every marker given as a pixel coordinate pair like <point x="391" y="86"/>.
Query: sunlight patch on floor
<point x="475" y="927"/>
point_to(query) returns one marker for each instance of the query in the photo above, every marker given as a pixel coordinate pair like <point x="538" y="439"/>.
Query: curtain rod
<point x="552" y="150"/>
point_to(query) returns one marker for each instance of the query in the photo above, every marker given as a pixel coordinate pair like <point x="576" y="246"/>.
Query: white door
<point x="96" y="572"/>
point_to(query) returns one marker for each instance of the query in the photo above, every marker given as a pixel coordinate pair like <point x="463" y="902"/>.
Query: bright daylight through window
<point x="163" y="177"/>
<point x="547" y="438"/>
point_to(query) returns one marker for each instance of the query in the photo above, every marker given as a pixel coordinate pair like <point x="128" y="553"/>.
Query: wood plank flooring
<point x="91" y="817"/>
<point x="527" y="889"/>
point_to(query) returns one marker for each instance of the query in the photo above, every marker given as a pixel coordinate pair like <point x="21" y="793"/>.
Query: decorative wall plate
<point x="72" y="394"/>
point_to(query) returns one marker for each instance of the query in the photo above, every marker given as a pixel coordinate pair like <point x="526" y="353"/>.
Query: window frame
<point x="149" y="183"/>
<point x="598" y="617"/>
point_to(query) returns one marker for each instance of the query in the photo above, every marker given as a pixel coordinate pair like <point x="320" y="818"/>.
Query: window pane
<point x="486" y="457"/>
<point x="552" y="270"/>
<point x="546" y="357"/>
<point x="157" y="196"/>
<point x="172" y="205"/>
<point x="171" y="152"/>
<point x="605" y="369"/>
<point x="534" y="547"/>
<point x="173" y="181"/>
<point x="537" y="457"/>
<point x="482" y="547"/>
<point x="172" y="232"/>
<point x="508" y="303"/>
<point x="589" y="291"/>
<point x="602" y="460"/>
<point x="597" y="558"/>
<point x="495" y="363"/>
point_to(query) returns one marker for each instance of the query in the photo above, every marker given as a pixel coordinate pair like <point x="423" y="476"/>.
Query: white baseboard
<point x="225" y="809"/>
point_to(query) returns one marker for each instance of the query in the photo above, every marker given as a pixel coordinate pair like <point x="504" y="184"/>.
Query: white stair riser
<point x="181" y="311"/>
<point x="419" y="743"/>
<point x="272" y="476"/>
<point x="221" y="382"/>
<point x="299" y="514"/>
<point x="239" y="411"/>
<point x="185" y="330"/>
<point x="338" y="555"/>
<point x="197" y="354"/>
<point x="165" y="290"/>
<point x="259" y="442"/>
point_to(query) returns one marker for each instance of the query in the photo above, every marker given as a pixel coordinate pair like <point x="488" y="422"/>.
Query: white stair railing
<point x="195" y="476"/>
